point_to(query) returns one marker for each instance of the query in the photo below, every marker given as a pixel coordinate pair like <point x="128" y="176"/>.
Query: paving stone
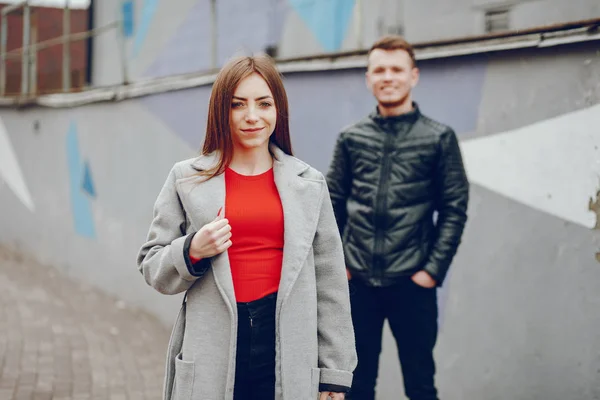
<point x="64" y="340"/>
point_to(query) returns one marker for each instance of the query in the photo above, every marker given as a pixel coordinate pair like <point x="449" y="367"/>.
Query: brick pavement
<point x="63" y="340"/>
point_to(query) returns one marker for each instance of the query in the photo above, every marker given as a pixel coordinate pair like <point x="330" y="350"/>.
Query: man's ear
<point x="415" y="74"/>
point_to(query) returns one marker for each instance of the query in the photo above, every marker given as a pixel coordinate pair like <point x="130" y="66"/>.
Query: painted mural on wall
<point x="82" y="191"/>
<point x="144" y="24"/>
<point x="241" y="27"/>
<point x="11" y="174"/>
<point x="548" y="166"/>
<point x="327" y="20"/>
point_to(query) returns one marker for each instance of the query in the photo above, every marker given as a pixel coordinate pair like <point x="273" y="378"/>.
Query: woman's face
<point x="253" y="115"/>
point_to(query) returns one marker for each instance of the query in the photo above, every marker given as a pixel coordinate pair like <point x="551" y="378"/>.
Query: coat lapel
<point x="203" y="198"/>
<point x="300" y="199"/>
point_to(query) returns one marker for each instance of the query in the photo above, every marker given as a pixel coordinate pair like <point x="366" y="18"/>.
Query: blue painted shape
<point x="127" y="15"/>
<point x="146" y="17"/>
<point x="450" y="91"/>
<point x="80" y="204"/>
<point x="328" y="20"/>
<point x="88" y="184"/>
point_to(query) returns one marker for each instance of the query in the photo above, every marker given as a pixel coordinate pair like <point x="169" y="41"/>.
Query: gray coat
<point x="315" y="337"/>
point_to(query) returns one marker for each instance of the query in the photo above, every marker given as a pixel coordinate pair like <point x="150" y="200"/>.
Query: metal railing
<point x="4" y="42"/>
<point x="28" y="53"/>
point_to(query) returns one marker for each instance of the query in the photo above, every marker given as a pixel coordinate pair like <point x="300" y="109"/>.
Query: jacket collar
<point x="409" y="117"/>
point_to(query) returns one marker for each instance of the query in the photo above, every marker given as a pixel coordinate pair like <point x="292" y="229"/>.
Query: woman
<point x="249" y="232"/>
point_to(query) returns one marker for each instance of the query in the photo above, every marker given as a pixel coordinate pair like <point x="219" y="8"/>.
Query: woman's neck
<point x="251" y="162"/>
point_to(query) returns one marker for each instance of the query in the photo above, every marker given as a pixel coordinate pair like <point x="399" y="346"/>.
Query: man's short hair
<point x="394" y="42"/>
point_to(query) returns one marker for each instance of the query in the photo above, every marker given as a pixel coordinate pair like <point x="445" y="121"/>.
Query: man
<point x="391" y="173"/>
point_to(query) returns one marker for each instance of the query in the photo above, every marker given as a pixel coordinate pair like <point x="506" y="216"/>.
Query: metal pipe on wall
<point x="66" y="61"/>
<point x="3" y="48"/>
<point x="90" y="43"/>
<point x="4" y="42"/>
<point x="26" y="49"/>
<point x="121" y="42"/>
<point x="33" y="53"/>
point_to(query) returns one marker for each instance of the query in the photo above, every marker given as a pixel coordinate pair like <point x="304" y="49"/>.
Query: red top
<point x="254" y="211"/>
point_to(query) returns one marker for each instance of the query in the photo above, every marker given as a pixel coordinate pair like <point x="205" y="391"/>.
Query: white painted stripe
<point x="10" y="172"/>
<point x="552" y="166"/>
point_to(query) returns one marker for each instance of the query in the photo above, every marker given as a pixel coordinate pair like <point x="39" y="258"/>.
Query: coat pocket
<point x="184" y="379"/>
<point x="315" y="377"/>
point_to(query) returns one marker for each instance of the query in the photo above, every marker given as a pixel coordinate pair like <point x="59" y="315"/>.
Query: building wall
<point x="519" y="313"/>
<point x="458" y="18"/>
<point x="175" y="37"/>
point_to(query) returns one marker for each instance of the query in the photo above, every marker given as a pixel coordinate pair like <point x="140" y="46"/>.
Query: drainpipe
<point x="66" y="61"/>
<point x="26" y="49"/>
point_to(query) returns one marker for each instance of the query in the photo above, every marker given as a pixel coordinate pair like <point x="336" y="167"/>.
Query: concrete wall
<point x="438" y="19"/>
<point x="175" y="37"/>
<point x="519" y="314"/>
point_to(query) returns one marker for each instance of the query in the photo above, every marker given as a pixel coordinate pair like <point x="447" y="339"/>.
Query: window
<point x="496" y="20"/>
<point x="384" y="28"/>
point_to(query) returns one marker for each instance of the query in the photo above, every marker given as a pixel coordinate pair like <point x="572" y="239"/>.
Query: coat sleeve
<point x="339" y="181"/>
<point x="337" y="352"/>
<point x="161" y="259"/>
<point x="451" y="200"/>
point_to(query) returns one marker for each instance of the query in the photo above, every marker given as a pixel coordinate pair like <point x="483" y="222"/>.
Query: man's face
<point x="391" y="77"/>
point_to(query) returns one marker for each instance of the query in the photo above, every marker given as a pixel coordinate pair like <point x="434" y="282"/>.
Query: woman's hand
<point x="212" y="239"/>
<point x="332" y="396"/>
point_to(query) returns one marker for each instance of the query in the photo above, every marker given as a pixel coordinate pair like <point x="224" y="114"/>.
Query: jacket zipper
<point x="381" y="205"/>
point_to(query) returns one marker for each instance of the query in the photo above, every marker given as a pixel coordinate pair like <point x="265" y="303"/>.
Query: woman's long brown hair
<point x="218" y="133"/>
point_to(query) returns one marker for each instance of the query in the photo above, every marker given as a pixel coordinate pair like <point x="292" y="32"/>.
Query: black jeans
<point x="411" y="312"/>
<point x="255" y="358"/>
